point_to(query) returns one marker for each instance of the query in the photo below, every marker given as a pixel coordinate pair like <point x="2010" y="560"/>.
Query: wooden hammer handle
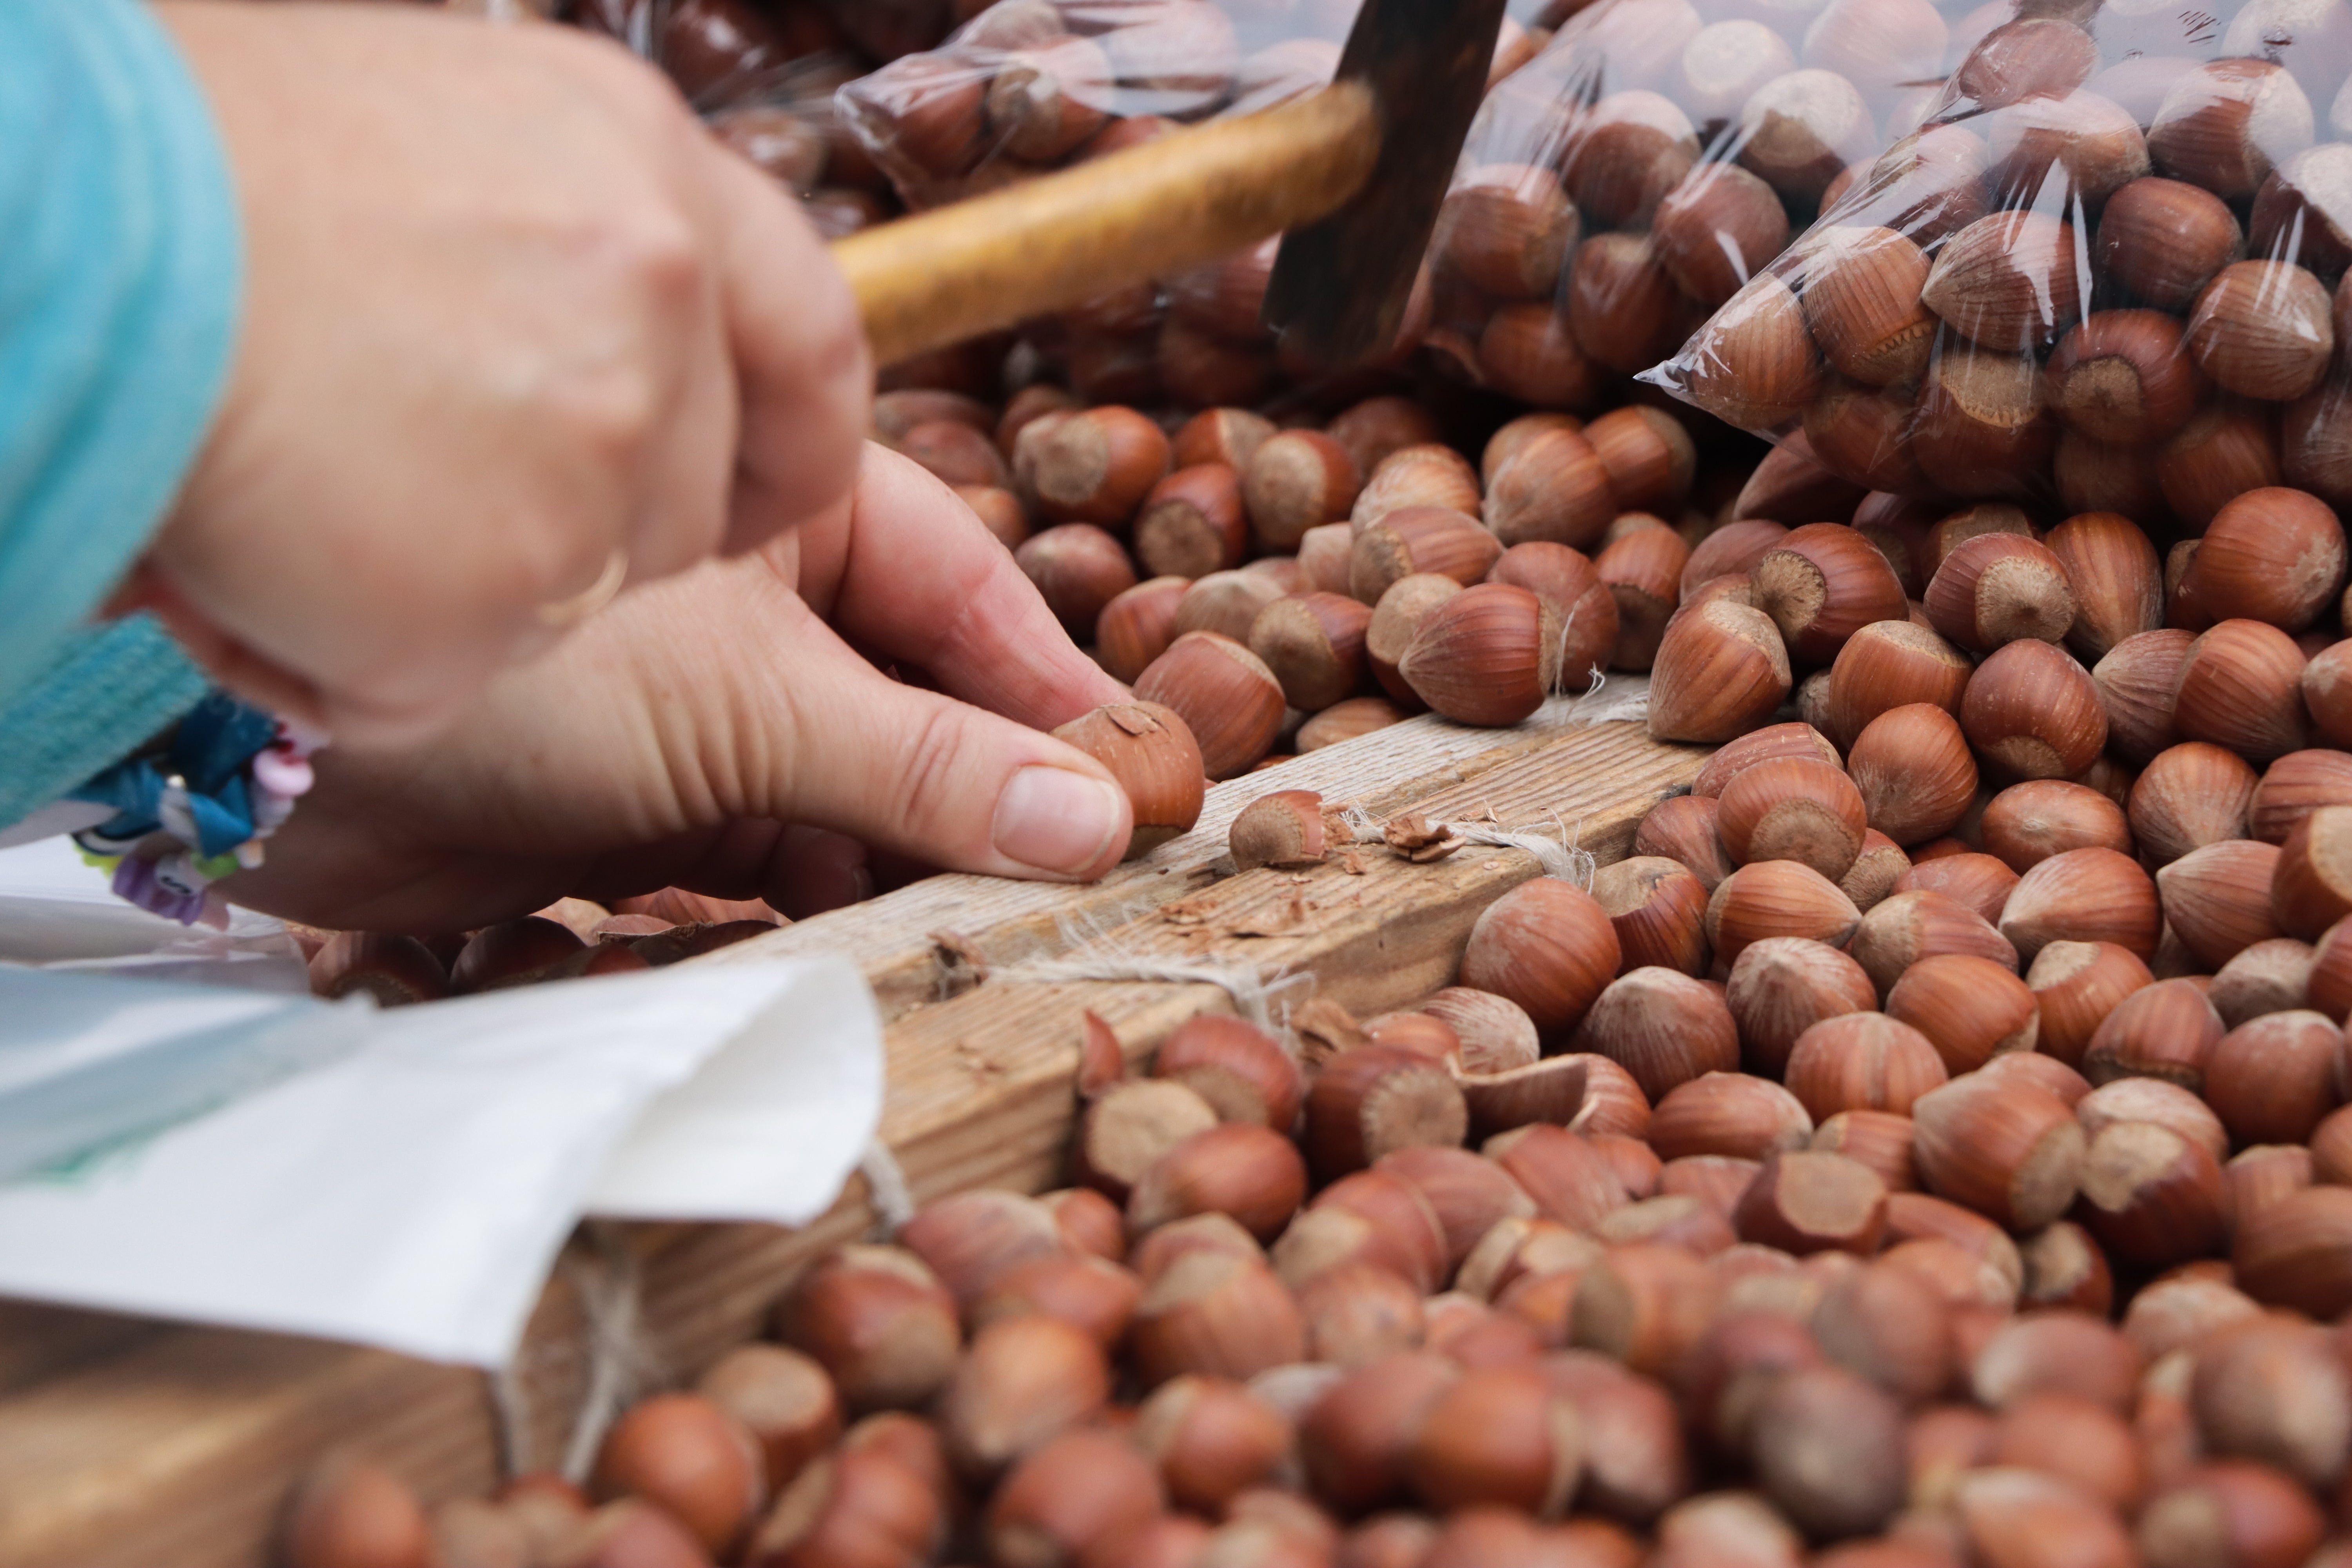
<point x="1061" y="239"/>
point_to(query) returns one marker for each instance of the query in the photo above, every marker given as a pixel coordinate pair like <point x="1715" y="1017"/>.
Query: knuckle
<point x="928" y="793"/>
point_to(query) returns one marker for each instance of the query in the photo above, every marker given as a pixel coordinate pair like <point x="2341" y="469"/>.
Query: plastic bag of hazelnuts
<point x="2100" y="264"/>
<point x="1032" y="85"/>
<point x="763" y="74"/>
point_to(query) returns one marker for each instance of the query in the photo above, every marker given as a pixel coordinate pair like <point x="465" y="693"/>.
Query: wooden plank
<point x="178" y="1450"/>
<point x="1014" y="923"/>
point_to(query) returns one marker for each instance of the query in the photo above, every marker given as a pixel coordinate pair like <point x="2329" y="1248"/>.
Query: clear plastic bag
<point x="762" y="75"/>
<point x="1033" y="85"/>
<point x="2105" y="274"/>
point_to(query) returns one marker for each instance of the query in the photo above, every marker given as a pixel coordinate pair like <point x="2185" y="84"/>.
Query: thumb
<point x="939" y="780"/>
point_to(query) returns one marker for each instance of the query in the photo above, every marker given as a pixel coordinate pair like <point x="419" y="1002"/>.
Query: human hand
<point x="512" y="318"/>
<point x="673" y="738"/>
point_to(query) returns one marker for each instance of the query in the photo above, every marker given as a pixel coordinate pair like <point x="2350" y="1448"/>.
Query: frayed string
<point x="1559" y="856"/>
<point x="609" y="1284"/>
<point x="886" y="1193"/>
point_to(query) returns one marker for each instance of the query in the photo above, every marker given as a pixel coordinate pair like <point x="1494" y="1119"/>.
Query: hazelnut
<point x="1733" y="550"/>
<point x="1862" y="1061"/>
<point x="1641" y="570"/>
<point x="1820" y="584"/>
<point x="1498" y="1436"/>
<point x="1979" y="883"/>
<point x="2092" y="894"/>
<point x="1777" y="899"/>
<point x="1423" y="476"/>
<point x="349" y="1510"/>
<point x="2307" y="890"/>
<point x="2240" y="688"/>
<point x="1551" y="486"/>
<point x="1371" y="430"/>
<point x="2028" y="822"/>
<point x="392" y="970"/>
<point x="1772" y="742"/>
<point x="2064" y="1267"/>
<point x="1373" y="1098"/>
<point x="1079" y="570"/>
<point x="2030" y="58"/>
<point x="1623" y="309"/>
<point x="1397" y="620"/>
<point x="1799" y="131"/>
<point x="2223" y="452"/>
<point x="1662" y="1026"/>
<point x="1906" y="927"/>
<point x="2111" y="569"/>
<point x="1876" y="870"/>
<point x="1487" y="656"/>
<point x="2293" y="1253"/>
<point x="1971" y="1009"/>
<point x="1793" y="808"/>
<point x="1682" y="828"/>
<point x="968" y="1239"/>
<point x="1224" y="694"/>
<point x="1526" y="352"/>
<point x="1643" y="1304"/>
<point x="2296" y="786"/>
<point x="1297" y="480"/>
<point x="1882" y="47"/>
<point x="1863" y="433"/>
<point x="1728" y="1113"/>
<point x="1718" y="673"/>
<point x="2217" y="898"/>
<point x="2162" y="240"/>
<point x="1325" y="552"/>
<point x="2273" y="1079"/>
<point x="1723" y="65"/>
<point x="1982" y="428"/>
<point x="2008" y="283"/>
<point x="1227" y="436"/>
<point x="1888" y="665"/>
<point x="1286" y="829"/>
<point x="1410" y="540"/>
<point x="1889" y="1324"/>
<point x="2121" y="376"/>
<point x="2033" y="710"/>
<point x="2011" y="1153"/>
<point x="1631" y="148"/>
<point x="1877" y="1140"/>
<point x="1567" y="582"/>
<point x="1782" y="986"/>
<point x="1242" y="1169"/>
<point x="1212" y="1438"/>
<point x="1356" y="1439"/>
<point x="2135" y="681"/>
<point x="878" y="1321"/>
<point x="1658" y="908"/>
<point x="1081" y="1488"/>
<point x="2093" y="144"/>
<point x="2261" y="329"/>
<point x="1997" y="588"/>
<point x="1754" y="364"/>
<point x="2272" y="976"/>
<point x="1314" y="645"/>
<point x="2274" y="555"/>
<point x="1094" y="466"/>
<point x="1828" y="1447"/>
<point x="2227" y="123"/>
<point x="1227" y="603"/>
<point x="2190" y="796"/>
<point x="1722" y="224"/>
<point x="1912" y="769"/>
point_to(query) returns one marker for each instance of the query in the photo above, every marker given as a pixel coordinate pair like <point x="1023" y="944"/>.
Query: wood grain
<point x="1061" y="239"/>
<point x="179" y="1448"/>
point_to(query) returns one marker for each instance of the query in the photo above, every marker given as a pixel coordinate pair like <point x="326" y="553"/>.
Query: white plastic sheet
<point x="405" y="1178"/>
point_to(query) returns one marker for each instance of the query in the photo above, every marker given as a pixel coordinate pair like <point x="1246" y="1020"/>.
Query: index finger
<point x="805" y="378"/>
<point x="922" y="579"/>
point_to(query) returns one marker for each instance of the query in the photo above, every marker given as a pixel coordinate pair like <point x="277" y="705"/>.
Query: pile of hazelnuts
<point x="2107" y="274"/>
<point x="1868" y="1254"/>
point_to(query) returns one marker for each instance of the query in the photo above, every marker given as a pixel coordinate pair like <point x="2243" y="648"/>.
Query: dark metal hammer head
<point x="1341" y="285"/>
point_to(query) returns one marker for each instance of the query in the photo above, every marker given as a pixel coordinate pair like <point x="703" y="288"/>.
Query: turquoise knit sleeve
<point x="121" y="277"/>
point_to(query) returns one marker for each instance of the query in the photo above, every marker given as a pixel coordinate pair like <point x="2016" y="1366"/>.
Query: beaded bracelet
<point x="193" y="805"/>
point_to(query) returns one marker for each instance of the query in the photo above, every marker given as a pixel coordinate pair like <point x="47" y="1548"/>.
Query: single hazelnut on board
<point x="1152" y="755"/>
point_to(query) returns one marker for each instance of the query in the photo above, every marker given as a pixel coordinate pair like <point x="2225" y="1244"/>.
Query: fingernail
<point x="1055" y="820"/>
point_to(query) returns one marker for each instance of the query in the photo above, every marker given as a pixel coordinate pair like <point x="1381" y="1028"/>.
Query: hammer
<point x="1354" y="173"/>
